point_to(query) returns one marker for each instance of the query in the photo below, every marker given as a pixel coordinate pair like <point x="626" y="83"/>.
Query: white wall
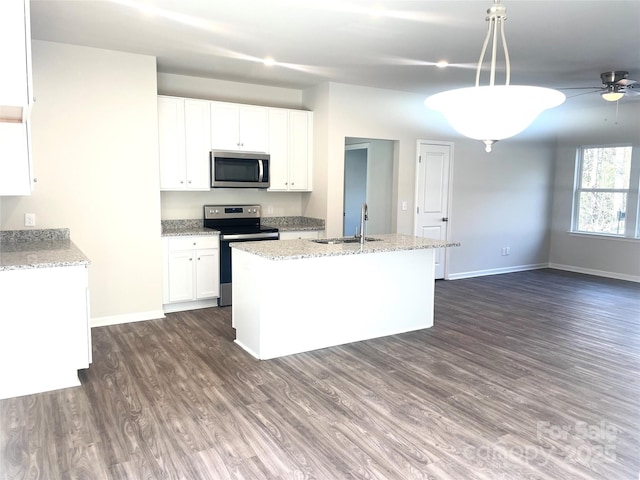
<point x="499" y="199"/>
<point x="188" y="205"/>
<point x="226" y="91"/>
<point x="600" y="255"/>
<point x="96" y="160"/>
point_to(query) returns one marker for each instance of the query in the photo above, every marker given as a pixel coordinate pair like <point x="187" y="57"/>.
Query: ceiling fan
<point x="615" y="85"/>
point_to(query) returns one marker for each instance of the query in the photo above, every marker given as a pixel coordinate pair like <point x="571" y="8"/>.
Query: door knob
<point x="445" y="219"/>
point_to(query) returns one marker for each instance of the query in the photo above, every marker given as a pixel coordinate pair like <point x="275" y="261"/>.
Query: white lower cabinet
<point x="45" y="336"/>
<point x="191" y="272"/>
<point x="299" y="234"/>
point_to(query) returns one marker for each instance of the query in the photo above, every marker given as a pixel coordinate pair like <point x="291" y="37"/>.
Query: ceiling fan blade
<point x="584" y="93"/>
<point x="579" y="88"/>
<point x="631" y="93"/>
<point x="626" y="82"/>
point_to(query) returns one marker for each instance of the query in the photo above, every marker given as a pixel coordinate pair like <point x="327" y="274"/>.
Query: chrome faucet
<point x="364" y="216"/>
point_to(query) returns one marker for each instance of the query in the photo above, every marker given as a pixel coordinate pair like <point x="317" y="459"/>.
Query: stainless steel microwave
<point x="231" y="169"/>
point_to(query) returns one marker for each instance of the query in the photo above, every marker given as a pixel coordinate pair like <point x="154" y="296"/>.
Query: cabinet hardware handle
<point x="445" y="219"/>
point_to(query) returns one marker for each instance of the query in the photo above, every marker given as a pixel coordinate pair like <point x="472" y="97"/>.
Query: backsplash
<point x="293" y="221"/>
<point x="34" y="235"/>
<point x="181" y="224"/>
<point x="179" y="205"/>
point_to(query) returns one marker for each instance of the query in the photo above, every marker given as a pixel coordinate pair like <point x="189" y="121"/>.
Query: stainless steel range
<point x="236" y="223"/>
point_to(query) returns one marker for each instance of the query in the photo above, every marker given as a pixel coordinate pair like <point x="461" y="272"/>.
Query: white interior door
<point x="432" y="212"/>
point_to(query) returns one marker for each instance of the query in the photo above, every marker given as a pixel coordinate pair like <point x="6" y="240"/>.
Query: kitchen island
<point x="293" y="296"/>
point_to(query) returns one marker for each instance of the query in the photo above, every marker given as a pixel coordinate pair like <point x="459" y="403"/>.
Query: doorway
<point x="432" y="212"/>
<point x="355" y="185"/>
<point x="369" y="166"/>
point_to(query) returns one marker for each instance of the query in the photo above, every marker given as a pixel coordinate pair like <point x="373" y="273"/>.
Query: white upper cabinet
<point x="16" y="174"/>
<point x="197" y="144"/>
<point x="184" y="143"/>
<point x="15" y="60"/>
<point x="290" y="147"/>
<point x="189" y="129"/>
<point x="239" y="127"/>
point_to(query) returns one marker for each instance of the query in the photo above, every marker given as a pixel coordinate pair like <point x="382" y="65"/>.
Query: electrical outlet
<point x="505" y="251"/>
<point x="29" y="219"/>
<point x="269" y="209"/>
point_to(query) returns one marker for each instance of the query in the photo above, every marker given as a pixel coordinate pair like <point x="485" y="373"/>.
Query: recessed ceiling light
<point x="377" y="10"/>
<point x="442" y="64"/>
<point x="269" y="62"/>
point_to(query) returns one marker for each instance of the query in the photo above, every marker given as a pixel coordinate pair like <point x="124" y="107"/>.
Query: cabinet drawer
<point x="192" y="243"/>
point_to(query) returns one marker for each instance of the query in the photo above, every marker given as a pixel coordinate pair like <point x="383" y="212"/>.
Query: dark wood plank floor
<point x="524" y="376"/>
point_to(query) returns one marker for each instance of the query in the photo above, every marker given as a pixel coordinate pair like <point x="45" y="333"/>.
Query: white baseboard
<point x="599" y="273"/>
<point x="496" y="271"/>
<point x="194" y="305"/>
<point x="126" y="318"/>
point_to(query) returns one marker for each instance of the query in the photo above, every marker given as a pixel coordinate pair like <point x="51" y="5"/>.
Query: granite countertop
<point x="298" y="249"/>
<point x="293" y="224"/>
<point x="183" y="228"/>
<point x="26" y="249"/>
<point x="177" y="228"/>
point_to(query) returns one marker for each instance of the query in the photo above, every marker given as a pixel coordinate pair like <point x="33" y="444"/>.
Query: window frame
<point x="632" y="214"/>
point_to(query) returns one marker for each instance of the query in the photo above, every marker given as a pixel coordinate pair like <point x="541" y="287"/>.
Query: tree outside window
<point x="602" y="190"/>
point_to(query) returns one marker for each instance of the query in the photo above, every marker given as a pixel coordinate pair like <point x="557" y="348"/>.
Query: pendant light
<point x="494" y="112"/>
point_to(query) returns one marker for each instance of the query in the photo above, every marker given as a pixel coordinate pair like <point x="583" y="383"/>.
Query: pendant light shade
<point x="494" y="112"/>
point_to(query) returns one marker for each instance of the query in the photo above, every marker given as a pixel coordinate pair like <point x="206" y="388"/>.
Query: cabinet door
<point x="207" y="273"/>
<point x="197" y="128"/>
<point x="253" y="129"/>
<point x="15" y="56"/>
<point x="279" y="149"/>
<point x="225" y="126"/>
<point x="15" y="168"/>
<point x="15" y="81"/>
<point x="299" y="151"/>
<point x="171" y="143"/>
<point x="181" y="276"/>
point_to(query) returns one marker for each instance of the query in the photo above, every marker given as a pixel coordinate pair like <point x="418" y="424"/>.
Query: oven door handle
<point x="249" y="236"/>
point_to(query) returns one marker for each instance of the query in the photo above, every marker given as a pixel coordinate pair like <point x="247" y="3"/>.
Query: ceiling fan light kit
<point x="612" y="94"/>
<point x="494" y="112"/>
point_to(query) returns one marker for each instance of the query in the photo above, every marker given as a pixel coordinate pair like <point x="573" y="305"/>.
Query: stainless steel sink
<point x="334" y="241"/>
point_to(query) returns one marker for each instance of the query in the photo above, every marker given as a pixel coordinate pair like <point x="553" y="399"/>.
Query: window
<point x="605" y="199"/>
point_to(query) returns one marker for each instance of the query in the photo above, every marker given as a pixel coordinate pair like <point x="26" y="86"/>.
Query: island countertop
<point x="303" y="248"/>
